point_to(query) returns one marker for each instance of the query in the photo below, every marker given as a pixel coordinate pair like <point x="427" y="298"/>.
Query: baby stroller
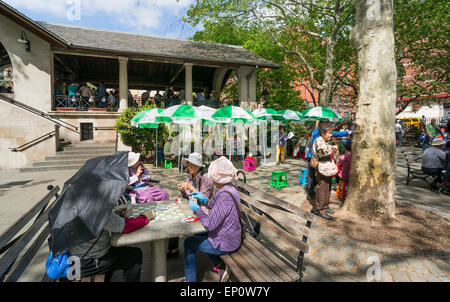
<point x="446" y="176"/>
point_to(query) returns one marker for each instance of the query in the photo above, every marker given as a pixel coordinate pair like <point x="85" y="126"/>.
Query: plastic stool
<point x="277" y="181"/>
<point x="167" y="164"/>
<point x="303" y="180"/>
<point x="249" y="164"/>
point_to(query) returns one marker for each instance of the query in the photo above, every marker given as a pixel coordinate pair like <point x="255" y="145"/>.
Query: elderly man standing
<point x="433" y="161"/>
<point x="168" y="153"/>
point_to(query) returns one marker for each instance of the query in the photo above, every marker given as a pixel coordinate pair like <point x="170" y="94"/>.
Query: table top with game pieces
<point x="173" y="218"/>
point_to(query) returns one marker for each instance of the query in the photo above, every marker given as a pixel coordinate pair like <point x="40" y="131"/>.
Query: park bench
<point x="416" y="173"/>
<point x="18" y="250"/>
<point x="285" y="230"/>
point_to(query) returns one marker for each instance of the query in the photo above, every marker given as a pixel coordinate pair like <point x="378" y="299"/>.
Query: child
<point x="344" y="174"/>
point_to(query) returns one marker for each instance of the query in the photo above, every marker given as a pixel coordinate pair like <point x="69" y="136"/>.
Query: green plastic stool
<point x="167" y="164"/>
<point x="277" y="181"/>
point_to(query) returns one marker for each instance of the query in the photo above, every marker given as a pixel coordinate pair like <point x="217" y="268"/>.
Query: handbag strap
<point x="239" y="215"/>
<point x="92" y="245"/>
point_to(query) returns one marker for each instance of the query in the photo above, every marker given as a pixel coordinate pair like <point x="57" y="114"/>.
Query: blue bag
<point x="57" y="267"/>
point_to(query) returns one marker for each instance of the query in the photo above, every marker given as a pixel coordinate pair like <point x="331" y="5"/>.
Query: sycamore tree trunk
<point x="324" y="93"/>
<point x="373" y="166"/>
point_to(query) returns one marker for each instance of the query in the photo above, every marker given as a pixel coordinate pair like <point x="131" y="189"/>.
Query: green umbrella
<point x="146" y="118"/>
<point x="178" y="114"/>
<point x="289" y="116"/>
<point x="265" y="114"/>
<point x="317" y="113"/>
<point x="234" y="115"/>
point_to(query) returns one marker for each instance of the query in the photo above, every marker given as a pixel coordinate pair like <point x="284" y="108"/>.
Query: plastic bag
<point x="57" y="267"/>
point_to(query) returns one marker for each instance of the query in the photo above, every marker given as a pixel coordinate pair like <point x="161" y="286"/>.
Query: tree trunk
<point x="324" y="95"/>
<point x="373" y="166"/>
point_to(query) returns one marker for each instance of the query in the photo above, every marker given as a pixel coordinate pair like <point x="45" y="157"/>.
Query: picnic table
<point x="167" y="224"/>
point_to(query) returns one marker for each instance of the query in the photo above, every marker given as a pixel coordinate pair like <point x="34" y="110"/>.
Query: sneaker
<point x="222" y="272"/>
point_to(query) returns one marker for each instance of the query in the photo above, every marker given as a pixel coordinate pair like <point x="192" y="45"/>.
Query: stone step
<point x="59" y="162"/>
<point x="84" y="157"/>
<point x="92" y="153"/>
<point x="50" y="168"/>
<point x="89" y="148"/>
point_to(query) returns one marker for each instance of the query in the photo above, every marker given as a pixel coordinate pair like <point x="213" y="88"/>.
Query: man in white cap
<point x="168" y="153"/>
<point x="433" y="160"/>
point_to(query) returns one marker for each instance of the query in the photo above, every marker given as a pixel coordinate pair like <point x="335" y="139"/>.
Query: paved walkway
<point x="331" y="258"/>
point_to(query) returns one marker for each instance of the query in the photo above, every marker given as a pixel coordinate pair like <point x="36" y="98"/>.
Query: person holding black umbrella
<point x="99" y="257"/>
<point x="82" y="218"/>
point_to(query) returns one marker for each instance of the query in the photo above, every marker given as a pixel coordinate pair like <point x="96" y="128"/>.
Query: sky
<point x="149" y="17"/>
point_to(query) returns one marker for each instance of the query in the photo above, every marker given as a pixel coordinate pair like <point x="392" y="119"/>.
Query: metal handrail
<point x="39" y="113"/>
<point x="31" y="143"/>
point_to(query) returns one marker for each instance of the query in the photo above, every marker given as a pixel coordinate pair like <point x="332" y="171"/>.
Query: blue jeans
<point x="426" y="142"/>
<point x="200" y="243"/>
<point x="399" y="136"/>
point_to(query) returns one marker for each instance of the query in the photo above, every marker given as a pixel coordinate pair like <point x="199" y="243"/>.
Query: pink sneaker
<point x="222" y="273"/>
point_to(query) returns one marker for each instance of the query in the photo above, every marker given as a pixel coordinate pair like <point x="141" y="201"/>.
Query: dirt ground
<point x="415" y="231"/>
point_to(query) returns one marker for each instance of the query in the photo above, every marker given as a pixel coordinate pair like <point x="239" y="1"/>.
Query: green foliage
<point x="278" y="82"/>
<point x="294" y="34"/>
<point x="140" y="140"/>
<point x="421" y="37"/>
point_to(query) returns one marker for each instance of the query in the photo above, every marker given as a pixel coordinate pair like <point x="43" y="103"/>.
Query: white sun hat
<point x="194" y="158"/>
<point x="133" y="158"/>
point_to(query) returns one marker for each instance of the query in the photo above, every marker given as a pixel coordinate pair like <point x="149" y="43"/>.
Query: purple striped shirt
<point x="223" y="220"/>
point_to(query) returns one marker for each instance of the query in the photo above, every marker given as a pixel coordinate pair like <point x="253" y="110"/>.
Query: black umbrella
<point x="86" y="201"/>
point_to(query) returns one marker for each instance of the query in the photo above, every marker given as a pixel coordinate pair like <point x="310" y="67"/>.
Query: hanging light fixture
<point x="23" y="39"/>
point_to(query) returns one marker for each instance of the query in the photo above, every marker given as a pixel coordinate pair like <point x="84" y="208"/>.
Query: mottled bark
<point x="373" y="167"/>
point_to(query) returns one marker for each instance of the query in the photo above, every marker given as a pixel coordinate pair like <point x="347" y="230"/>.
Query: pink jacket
<point x="344" y="163"/>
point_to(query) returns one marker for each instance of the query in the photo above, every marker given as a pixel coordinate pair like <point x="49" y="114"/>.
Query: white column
<point x="123" y="83"/>
<point x="247" y="87"/>
<point x="188" y="82"/>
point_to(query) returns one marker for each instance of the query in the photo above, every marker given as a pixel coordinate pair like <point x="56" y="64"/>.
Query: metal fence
<point x="83" y="103"/>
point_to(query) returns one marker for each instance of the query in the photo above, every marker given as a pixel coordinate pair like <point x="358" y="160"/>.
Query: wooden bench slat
<point x="292" y="274"/>
<point x="282" y="233"/>
<point x="16" y="249"/>
<point x="250" y="268"/>
<point x="276" y="201"/>
<point x="281" y="244"/>
<point x="235" y="269"/>
<point x="28" y="256"/>
<point x="278" y="274"/>
<point x="283" y="219"/>
<point x="19" y="224"/>
<point x="260" y="264"/>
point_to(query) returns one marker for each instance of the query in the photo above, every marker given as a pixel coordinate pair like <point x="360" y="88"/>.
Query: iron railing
<point x="84" y="103"/>
<point x="39" y="113"/>
<point x="33" y="142"/>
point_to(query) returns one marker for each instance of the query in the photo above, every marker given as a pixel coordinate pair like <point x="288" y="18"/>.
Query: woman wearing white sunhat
<point x="220" y="216"/>
<point x="196" y="181"/>
<point x="140" y="182"/>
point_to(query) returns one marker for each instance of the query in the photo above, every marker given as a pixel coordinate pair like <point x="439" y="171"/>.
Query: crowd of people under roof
<point x="99" y="96"/>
